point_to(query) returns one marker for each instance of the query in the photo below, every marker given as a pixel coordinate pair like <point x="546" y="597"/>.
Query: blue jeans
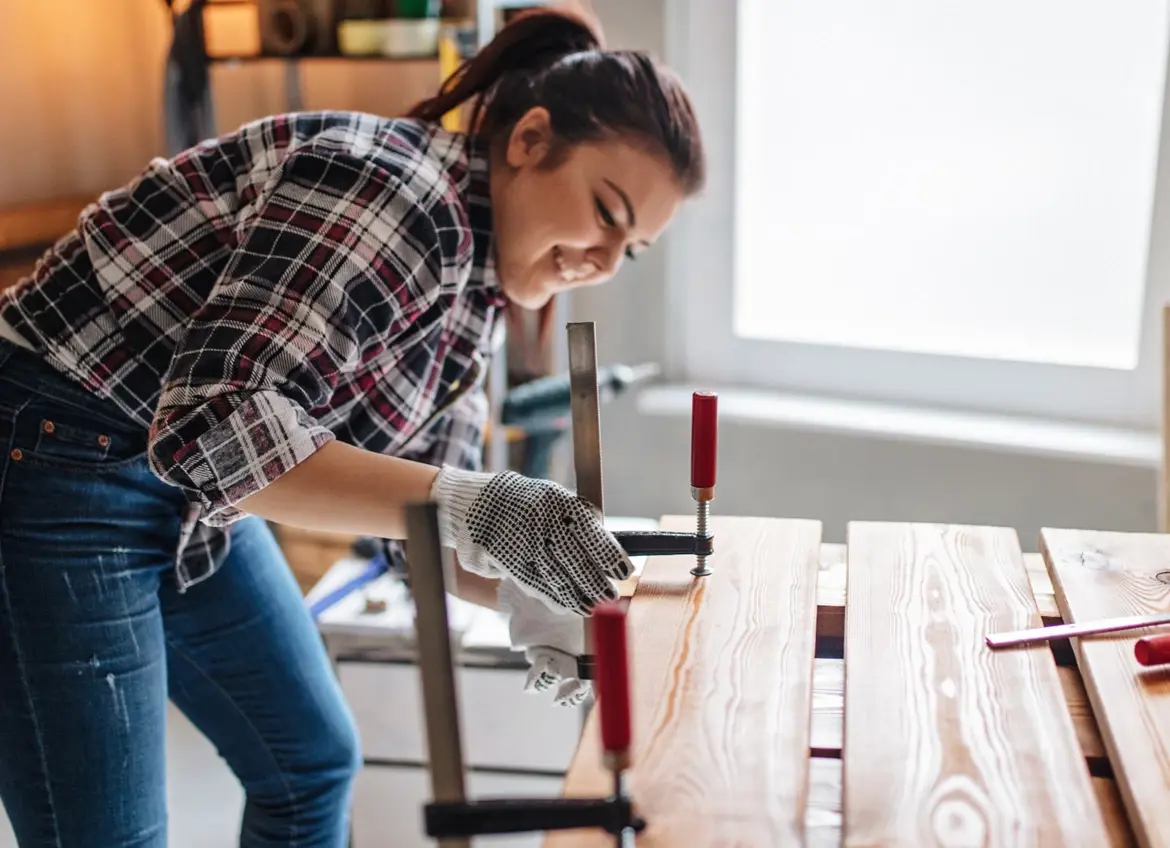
<point x="95" y="637"/>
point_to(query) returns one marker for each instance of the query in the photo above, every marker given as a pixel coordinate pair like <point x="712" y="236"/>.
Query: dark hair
<point x="558" y="61"/>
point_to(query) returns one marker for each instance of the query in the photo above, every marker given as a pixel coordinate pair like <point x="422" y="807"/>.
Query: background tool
<point x="586" y="416"/>
<point x="541" y="409"/>
<point x="543" y="403"/>
<point x="378" y="564"/>
<point x="450" y="817"/>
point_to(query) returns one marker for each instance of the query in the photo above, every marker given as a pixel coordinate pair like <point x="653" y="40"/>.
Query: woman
<point x="289" y="323"/>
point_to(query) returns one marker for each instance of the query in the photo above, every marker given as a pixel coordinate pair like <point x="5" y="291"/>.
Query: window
<point x="947" y="204"/>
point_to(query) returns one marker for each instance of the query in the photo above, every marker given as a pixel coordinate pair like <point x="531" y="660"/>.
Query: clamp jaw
<point x="586" y="419"/>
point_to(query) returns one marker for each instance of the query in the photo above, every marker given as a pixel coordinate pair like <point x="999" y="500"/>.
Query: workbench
<point x="823" y="695"/>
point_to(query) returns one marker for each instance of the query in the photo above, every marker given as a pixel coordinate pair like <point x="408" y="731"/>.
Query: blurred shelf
<point x="330" y="57"/>
<point x="32" y="225"/>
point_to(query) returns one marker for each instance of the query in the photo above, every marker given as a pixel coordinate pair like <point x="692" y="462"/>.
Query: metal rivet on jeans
<point x="104" y="440"/>
<point x="16" y="454"/>
<point x="48" y="426"/>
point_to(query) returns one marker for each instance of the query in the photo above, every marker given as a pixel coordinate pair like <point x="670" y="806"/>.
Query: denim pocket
<point x="66" y="437"/>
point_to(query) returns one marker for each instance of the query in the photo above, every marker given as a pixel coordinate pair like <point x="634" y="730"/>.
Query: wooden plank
<point x="947" y="742"/>
<point x="721" y="690"/>
<point x="828" y="711"/>
<point x="1099" y="574"/>
<point x="831" y="590"/>
<point x="823" y="820"/>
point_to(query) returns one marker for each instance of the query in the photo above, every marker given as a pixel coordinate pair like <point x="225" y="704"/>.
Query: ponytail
<point x="557" y="61"/>
<point x="532" y="42"/>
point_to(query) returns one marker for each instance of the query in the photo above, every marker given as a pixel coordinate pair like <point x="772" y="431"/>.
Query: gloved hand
<point x="552" y="641"/>
<point x="549" y="667"/>
<point x="535" y="531"/>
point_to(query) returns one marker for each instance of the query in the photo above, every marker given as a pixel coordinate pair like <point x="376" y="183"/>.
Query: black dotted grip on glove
<point x="548" y="539"/>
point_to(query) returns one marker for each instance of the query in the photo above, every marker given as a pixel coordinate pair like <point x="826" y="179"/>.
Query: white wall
<point x="768" y="471"/>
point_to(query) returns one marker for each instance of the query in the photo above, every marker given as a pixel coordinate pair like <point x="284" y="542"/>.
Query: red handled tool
<point x="612" y="689"/>
<point x="704" y="439"/>
<point x="612" y="686"/>
<point x="1152" y="650"/>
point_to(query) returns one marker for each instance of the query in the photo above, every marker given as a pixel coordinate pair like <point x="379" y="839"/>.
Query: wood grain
<point x="823" y="820"/>
<point x="828" y="711"/>
<point x="721" y="691"/>
<point x="1099" y="574"/>
<point x="831" y="590"/>
<point x="946" y="742"/>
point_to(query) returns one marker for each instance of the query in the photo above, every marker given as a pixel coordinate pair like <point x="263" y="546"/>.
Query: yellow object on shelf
<point x="361" y="37"/>
<point x="449" y="60"/>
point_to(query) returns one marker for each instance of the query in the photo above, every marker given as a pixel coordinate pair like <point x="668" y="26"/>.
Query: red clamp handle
<point x="612" y="679"/>
<point x="1152" y="650"/>
<point x="704" y="438"/>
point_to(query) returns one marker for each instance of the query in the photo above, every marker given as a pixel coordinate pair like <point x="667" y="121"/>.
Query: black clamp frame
<point x="451" y="817"/>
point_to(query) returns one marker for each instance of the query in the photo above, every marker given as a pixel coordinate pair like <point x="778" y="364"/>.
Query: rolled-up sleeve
<point x="337" y="254"/>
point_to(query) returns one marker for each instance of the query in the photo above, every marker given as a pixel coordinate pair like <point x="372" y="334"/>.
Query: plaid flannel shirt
<point x="308" y="277"/>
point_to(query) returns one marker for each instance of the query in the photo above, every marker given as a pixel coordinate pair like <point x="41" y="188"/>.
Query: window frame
<point x="703" y="348"/>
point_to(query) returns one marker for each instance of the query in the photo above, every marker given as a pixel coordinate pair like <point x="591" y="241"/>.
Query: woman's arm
<point x="344" y="489"/>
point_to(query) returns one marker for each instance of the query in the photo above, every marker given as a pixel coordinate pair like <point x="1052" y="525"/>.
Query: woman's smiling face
<point x="567" y="218"/>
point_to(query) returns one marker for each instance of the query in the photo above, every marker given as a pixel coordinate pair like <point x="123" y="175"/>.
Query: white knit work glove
<point x="551" y="542"/>
<point x="552" y="641"/>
